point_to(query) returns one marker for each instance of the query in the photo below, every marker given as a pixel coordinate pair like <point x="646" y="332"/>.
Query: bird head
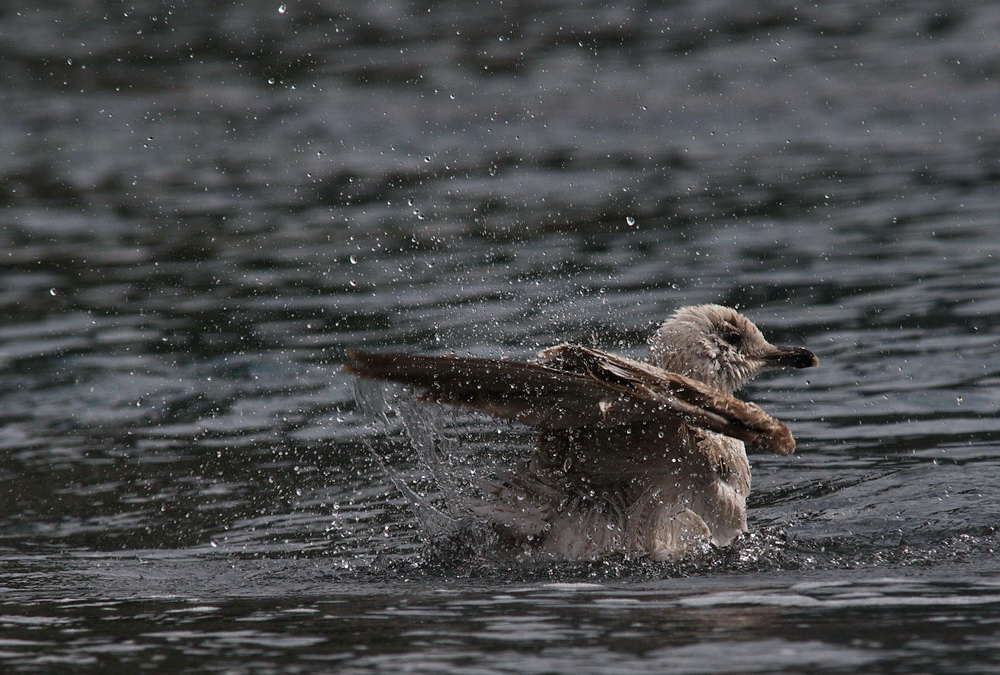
<point x="720" y="347"/>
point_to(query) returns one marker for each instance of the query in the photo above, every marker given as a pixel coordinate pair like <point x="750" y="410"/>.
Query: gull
<point x="632" y="457"/>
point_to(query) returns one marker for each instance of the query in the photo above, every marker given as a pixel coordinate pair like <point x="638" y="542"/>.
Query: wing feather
<point x="572" y="386"/>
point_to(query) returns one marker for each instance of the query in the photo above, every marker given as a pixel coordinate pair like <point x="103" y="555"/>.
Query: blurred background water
<point x="203" y="205"/>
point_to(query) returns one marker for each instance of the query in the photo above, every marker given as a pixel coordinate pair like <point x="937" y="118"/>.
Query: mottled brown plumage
<point x="632" y="456"/>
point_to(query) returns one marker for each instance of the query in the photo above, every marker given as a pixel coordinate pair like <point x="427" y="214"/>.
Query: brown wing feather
<point x="739" y="419"/>
<point x="574" y="386"/>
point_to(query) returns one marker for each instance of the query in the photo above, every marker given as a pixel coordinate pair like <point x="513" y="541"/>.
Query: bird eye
<point x="731" y="335"/>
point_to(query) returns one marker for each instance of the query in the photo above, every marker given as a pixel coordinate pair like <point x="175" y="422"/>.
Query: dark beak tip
<point x="795" y="357"/>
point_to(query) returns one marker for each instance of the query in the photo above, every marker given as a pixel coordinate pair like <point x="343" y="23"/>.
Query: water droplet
<point x="630" y="220"/>
<point x="53" y="292"/>
<point x="282" y="8"/>
<point x="353" y="259"/>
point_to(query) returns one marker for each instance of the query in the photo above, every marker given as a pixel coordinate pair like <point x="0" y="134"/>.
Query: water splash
<point x="440" y="459"/>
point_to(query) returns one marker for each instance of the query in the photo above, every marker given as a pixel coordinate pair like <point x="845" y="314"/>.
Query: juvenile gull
<point x="631" y="457"/>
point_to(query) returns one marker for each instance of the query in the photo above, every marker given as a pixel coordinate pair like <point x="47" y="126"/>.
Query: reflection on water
<point x="203" y="210"/>
<point x="679" y="625"/>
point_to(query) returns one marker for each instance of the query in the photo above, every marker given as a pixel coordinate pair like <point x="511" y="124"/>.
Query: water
<point x="203" y="210"/>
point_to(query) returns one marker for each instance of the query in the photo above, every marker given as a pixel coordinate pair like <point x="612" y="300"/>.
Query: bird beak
<point x="791" y="357"/>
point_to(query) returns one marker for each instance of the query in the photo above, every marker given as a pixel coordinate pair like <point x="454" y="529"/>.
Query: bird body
<point x="631" y="457"/>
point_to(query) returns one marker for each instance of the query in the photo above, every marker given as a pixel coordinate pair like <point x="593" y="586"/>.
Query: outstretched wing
<point x="573" y="386"/>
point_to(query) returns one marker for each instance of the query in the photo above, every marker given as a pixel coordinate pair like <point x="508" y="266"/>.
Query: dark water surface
<point x="202" y="209"/>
